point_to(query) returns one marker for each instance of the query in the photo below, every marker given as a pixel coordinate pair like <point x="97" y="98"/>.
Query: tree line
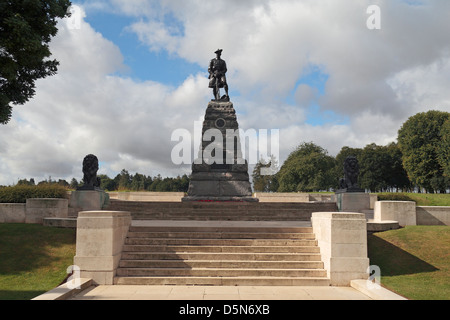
<point x="124" y="181"/>
<point x="420" y="160"/>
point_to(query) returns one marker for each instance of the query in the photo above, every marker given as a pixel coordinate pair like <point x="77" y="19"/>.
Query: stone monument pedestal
<point x="87" y="200"/>
<point x="352" y="201"/>
<point x="220" y="173"/>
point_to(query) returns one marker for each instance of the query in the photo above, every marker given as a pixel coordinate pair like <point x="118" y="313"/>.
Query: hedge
<point x="20" y="193"/>
<point x="394" y="197"/>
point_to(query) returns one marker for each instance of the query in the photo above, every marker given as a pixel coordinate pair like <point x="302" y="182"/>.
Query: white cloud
<point x="87" y="109"/>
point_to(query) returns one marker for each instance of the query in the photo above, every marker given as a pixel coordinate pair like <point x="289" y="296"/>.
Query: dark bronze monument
<point x="220" y="173"/>
<point x="90" y="168"/>
<point x="217" y="70"/>
<point x="350" y="197"/>
<point x="351" y="172"/>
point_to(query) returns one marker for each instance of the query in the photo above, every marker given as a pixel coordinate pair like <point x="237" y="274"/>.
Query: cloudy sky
<point x="134" y="71"/>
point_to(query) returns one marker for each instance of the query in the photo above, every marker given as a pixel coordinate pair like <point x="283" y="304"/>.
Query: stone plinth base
<point x="402" y="211"/>
<point x="353" y="201"/>
<point x="214" y="186"/>
<point x="87" y="200"/>
<point x="342" y="238"/>
<point x="100" y="239"/>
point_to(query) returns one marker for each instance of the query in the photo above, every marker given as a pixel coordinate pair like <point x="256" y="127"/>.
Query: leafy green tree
<point x="373" y="162"/>
<point x="74" y="183"/>
<point x="420" y="139"/>
<point x="396" y="176"/>
<point x="63" y="183"/>
<point x="123" y="180"/>
<point x="138" y="182"/>
<point x="26" y="29"/>
<point x="106" y="183"/>
<point x="308" y="168"/>
<point x="444" y="149"/>
<point x="155" y="184"/>
<point x="262" y="182"/>
<point x="184" y="183"/>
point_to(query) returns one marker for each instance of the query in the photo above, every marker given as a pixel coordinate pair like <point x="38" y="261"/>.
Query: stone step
<point x="221" y="235"/>
<point x="219" y="272"/>
<point x="221" y="216"/>
<point x="204" y="205"/>
<point x="236" y="249"/>
<point x="220" y="256"/>
<point x="220" y="242"/>
<point x="224" y="281"/>
<point x="210" y="229"/>
<point x="290" y="217"/>
<point x="234" y="211"/>
<point x="221" y="264"/>
<point x="221" y="253"/>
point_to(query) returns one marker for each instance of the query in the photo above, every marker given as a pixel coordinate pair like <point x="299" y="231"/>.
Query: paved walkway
<point x="219" y="293"/>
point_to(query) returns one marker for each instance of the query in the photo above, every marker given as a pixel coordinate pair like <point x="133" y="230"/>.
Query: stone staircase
<point x="223" y="211"/>
<point x="221" y="254"/>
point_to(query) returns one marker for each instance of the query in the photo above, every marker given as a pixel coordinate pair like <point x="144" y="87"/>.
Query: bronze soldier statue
<point x="217" y="70"/>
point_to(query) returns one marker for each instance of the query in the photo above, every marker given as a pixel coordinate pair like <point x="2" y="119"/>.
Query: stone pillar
<point x="100" y="240"/>
<point x="402" y="211"/>
<point x="342" y="238"/>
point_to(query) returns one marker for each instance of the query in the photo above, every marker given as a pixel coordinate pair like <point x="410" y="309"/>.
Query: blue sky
<point x="136" y="70"/>
<point x="143" y="64"/>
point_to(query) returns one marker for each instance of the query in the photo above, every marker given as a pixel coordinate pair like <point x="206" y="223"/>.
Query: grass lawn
<point x="414" y="261"/>
<point x="422" y="199"/>
<point x="33" y="259"/>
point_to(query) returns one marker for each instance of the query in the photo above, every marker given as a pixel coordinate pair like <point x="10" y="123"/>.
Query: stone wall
<point x="407" y="214"/>
<point x="38" y="209"/>
<point x="282" y="197"/>
<point x="12" y="212"/>
<point x="33" y="211"/>
<point x="147" y="196"/>
<point x="433" y="216"/>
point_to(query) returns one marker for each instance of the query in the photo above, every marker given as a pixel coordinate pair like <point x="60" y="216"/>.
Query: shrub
<point x="394" y="197"/>
<point x="20" y="193"/>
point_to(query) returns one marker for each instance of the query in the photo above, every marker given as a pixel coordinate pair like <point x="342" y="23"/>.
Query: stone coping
<point x="63" y="292"/>
<point x="375" y="291"/>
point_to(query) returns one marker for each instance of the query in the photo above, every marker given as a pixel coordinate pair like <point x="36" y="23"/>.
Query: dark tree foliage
<point x="26" y="29"/>
<point x="420" y="140"/>
<point x="307" y="169"/>
<point x="444" y="149"/>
